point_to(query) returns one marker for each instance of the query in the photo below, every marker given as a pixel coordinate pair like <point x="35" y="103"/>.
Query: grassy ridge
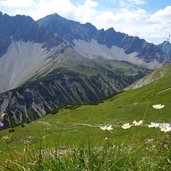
<point x="71" y="127"/>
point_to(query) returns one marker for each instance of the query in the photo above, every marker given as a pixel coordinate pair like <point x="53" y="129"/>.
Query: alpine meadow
<point x="77" y="97"/>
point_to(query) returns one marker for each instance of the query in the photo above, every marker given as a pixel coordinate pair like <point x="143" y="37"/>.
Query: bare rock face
<point x="59" y="88"/>
<point x="166" y="47"/>
<point x="42" y="72"/>
<point x="143" y="53"/>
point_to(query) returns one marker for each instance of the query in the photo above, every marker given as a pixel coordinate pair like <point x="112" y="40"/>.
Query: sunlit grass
<point x="71" y="129"/>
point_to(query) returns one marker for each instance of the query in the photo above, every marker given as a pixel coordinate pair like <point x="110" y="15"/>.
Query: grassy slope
<point x="69" y="126"/>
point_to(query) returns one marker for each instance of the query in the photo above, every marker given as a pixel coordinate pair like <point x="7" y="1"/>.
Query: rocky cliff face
<point x="41" y="72"/>
<point x="26" y="29"/>
<point x="143" y="53"/>
<point x="166" y="47"/>
<point x="25" y="49"/>
<point x="64" y="87"/>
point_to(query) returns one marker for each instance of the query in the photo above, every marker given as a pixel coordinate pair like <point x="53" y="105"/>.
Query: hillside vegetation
<point x="73" y="81"/>
<point x="74" y="125"/>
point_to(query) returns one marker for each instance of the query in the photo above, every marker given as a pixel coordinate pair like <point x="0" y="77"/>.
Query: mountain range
<point x="107" y="43"/>
<point x="54" y="62"/>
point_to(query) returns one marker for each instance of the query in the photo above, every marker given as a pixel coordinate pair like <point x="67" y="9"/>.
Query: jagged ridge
<point x="74" y="32"/>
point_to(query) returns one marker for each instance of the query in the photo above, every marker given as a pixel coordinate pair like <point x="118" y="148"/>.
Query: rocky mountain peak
<point x="41" y="71"/>
<point x="86" y="37"/>
<point x="166" y="47"/>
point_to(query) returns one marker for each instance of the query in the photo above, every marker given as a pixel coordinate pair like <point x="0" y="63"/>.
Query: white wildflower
<point x="135" y="123"/>
<point x="126" y="126"/>
<point x="158" y="106"/>
<point x="165" y="127"/>
<point x="154" y="125"/>
<point x="106" y="128"/>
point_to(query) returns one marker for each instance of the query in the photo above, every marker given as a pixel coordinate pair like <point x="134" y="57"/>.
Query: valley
<point x="75" y="97"/>
<point x="70" y="124"/>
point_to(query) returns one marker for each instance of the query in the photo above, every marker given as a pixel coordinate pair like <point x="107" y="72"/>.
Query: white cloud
<point x="16" y="3"/>
<point x="65" y="8"/>
<point x="163" y="14"/>
<point x="131" y="3"/>
<point x="160" y="23"/>
<point x="137" y="2"/>
<point x="154" y="27"/>
<point x="86" y="11"/>
<point x="124" y="20"/>
<point x="45" y="7"/>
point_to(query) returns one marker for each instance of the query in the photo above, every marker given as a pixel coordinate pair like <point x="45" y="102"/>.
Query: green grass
<point x="107" y="157"/>
<point x="71" y="127"/>
<point x="146" y="156"/>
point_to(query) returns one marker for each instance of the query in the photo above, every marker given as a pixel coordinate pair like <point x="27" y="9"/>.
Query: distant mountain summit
<point x="25" y="49"/>
<point x="166" y="47"/>
<point x="68" y="29"/>
<point x="106" y="43"/>
<point x="24" y="28"/>
<point x="42" y="70"/>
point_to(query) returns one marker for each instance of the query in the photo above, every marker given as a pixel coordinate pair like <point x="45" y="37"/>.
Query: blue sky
<point x="155" y="5"/>
<point x="148" y="19"/>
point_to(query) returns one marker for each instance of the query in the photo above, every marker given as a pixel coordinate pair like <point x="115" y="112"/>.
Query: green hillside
<point x="74" y="80"/>
<point x="73" y="125"/>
